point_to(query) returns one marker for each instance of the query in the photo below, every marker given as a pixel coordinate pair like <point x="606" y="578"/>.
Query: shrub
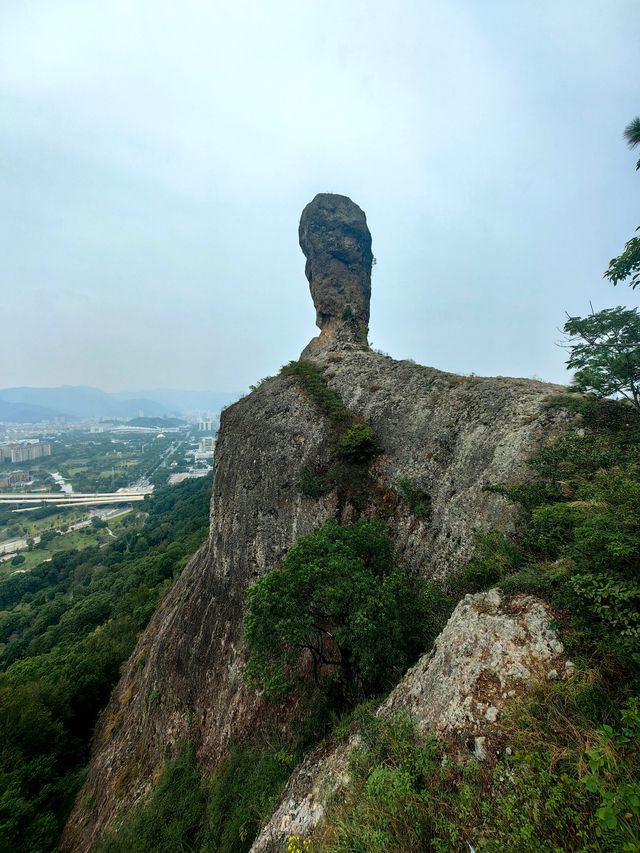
<point x="242" y="794"/>
<point x="170" y="818"/>
<point x="493" y="558"/>
<point x="311" y="485"/>
<point x="418" y="501"/>
<point x="403" y="795"/>
<point x="579" y="544"/>
<point x="613" y="768"/>
<point x="359" y="445"/>
<point x="223" y="813"/>
<point x="313" y="383"/>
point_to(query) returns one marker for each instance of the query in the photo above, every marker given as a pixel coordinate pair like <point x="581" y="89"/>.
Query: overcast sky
<point x="155" y="158"/>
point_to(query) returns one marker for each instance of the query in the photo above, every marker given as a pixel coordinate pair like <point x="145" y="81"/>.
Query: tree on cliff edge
<point x="605" y="353"/>
<point x="632" y="135"/>
<point x="337" y="609"/>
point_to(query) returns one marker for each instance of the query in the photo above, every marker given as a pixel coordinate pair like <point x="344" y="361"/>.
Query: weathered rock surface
<point x="336" y="242"/>
<point x="487" y="647"/>
<point x="488" y="650"/>
<point x="449" y="435"/>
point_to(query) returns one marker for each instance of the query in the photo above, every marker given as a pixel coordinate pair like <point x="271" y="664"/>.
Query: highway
<point x="73" y="499"/>
<point x="131" y="494"/>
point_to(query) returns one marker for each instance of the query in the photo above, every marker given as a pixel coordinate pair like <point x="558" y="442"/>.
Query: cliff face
<point x="449" y="436"/>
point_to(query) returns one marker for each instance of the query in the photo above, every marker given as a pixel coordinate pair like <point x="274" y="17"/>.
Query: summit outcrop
<point x="336" y="242"/>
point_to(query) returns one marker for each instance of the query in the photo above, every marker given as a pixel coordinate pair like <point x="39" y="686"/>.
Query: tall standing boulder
<point x="336" y="242"/>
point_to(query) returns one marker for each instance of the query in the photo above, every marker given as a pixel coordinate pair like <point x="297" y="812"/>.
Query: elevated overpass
<point x="61" y="499"/>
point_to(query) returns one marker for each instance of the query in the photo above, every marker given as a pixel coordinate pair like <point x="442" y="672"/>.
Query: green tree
<point x="359" y="444"/>
<point x="337" y="606"/>
<point x="628" y="263"/>
<point x="605" y="353"/>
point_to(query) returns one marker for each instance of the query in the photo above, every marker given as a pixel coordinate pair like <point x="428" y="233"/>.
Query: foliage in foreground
<point x="570" y="784"/>
<point x="627" y="265"/>
<point x="580" y="541"/>
<point x="65" y="629"/>
<point x="338" y="602"/>
<point x="605" y="353"/>
<point x="402" y="797"/>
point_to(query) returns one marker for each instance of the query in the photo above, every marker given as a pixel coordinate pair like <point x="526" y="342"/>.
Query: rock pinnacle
<point x="336" y="242"/>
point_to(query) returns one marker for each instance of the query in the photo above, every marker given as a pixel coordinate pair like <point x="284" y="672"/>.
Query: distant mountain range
<point x="79" y="402"/>
<point x="26" y="413"/>
<point x="181" y="402"/>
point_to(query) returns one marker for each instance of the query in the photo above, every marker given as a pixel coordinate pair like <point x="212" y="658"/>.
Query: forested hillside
<point x="65" y="629"/>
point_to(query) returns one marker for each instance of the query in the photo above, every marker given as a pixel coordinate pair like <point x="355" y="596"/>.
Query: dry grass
<point x="549" y="718"/>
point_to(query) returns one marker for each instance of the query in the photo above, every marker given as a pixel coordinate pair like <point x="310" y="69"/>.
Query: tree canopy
<point x="337" y="605"/>
<point x="605" y="353"/>
<point x="66" y="626"/>
<point x="632" y="135"/>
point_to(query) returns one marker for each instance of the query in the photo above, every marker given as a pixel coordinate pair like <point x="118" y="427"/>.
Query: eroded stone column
<point x="336" y="242"/>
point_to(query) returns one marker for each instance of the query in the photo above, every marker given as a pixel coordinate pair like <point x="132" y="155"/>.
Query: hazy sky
<point x="155" y="158"/>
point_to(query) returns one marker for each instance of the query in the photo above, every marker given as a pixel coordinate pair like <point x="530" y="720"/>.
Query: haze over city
<point x="156" y="158"/>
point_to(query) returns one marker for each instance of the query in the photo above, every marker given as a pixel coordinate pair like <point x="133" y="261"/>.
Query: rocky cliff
<point x="445" y="435"/>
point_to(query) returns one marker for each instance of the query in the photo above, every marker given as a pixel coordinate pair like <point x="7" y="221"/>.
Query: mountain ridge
<point x="85" y="402"/>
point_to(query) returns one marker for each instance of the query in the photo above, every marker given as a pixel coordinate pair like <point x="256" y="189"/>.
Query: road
<point x="75" y="499"/>
<point x="133" y="493"/>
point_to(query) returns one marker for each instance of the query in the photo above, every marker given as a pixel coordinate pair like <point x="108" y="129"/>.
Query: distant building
<point x="11" y="478"/>
<point x="174" y="479"/>
<point x="205" y="449"/>
<point x="205" y="424"/>
<point x="25" y="452"/>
